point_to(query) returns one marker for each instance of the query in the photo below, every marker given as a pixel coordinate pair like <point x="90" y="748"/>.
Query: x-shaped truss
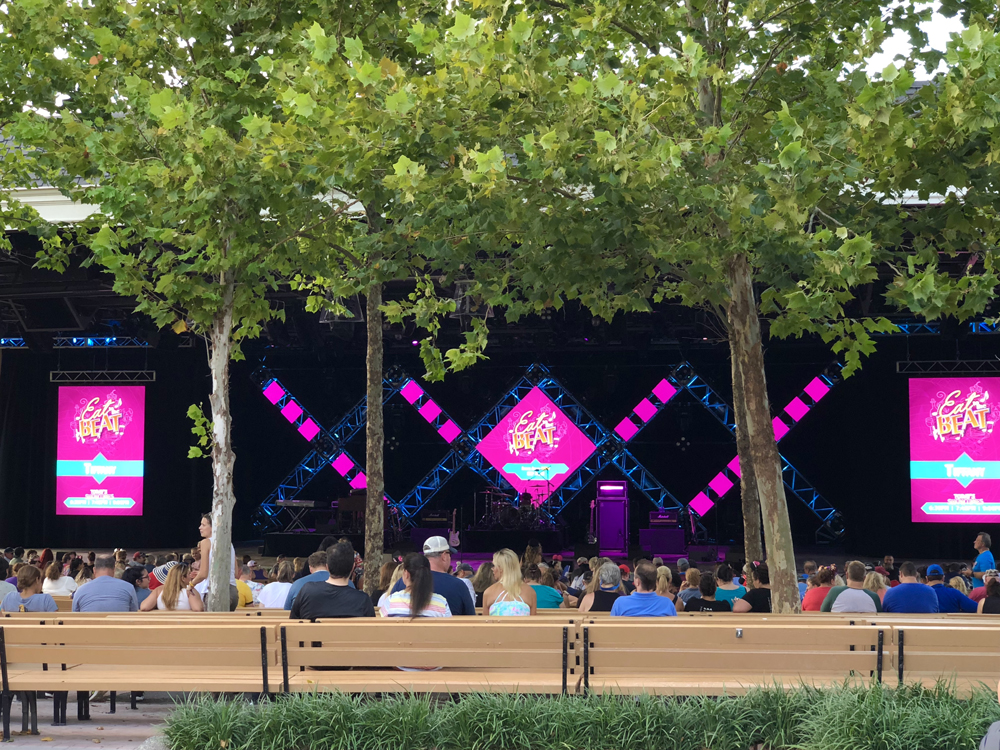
<point x="611" y="446"/>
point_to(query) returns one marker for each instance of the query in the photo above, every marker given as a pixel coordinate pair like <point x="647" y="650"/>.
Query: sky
<point x="938" y="29"/>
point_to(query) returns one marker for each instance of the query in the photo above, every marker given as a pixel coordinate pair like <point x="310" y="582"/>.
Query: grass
<point x="846" y="718"/>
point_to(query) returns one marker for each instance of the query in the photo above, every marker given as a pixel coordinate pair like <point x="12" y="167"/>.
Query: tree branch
<point x="305" y="230"/>
<point x="637" y="35"/>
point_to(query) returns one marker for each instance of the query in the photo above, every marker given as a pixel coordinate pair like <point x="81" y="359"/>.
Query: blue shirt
<point x="106" y="594"/>
<point x="319" y="575"/>
<point x="649" y="604"/>
<point x="911" y="597"/>
<point x="983" y="563"/>
<point x="802" y="589"/>
<point x="34" y="603"/>
<point x="452" y="589"/>
<point x="953" y="600"/>
<point x="547" y="597"/>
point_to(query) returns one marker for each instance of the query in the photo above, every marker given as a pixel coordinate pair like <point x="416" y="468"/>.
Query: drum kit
<point x="508" y="511"/>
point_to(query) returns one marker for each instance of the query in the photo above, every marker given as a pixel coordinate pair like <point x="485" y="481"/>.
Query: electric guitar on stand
<point x="591" y="537"/>
<point x="453" y="538"/>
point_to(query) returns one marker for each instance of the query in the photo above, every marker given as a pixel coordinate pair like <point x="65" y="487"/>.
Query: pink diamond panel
<point x="664" y="391"/>
<point x="536" y="447"/>
<point x="817" y="389"/>
<point x="796" y="409"/>
<point x="734" y="466"/>
<point x="449" y="431"/>
<point x="626" y="429"/>
<point x="274" y="392"/>
<point x="342" y="464"/>
<point x="721" y="484"/>
<point x="360" y="481"/>
<point x="308" y="429"/>
<point x="430" y="411"/>
<point x="701" y="504"/>
<point x="780" y="428"/>
<point x="292" y="411"/>
<point x="645" y="410"/>
<point x="411" y="391"/>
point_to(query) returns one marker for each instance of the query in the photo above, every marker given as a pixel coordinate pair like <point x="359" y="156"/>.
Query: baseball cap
<point x="624" y="568"/>
<point x="991" y="573"/>
<point x="935" y="570"/>
<point x="137" y="555"/>
<point x="436" y="545"/>
<point x="881" y="571"/>
<point x="557" y="557"/>
<point x="682" y="563"/>
<point x="464" y="567"/>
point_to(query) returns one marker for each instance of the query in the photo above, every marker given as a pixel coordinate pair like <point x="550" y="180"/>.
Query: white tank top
<point x="202" y="587"/>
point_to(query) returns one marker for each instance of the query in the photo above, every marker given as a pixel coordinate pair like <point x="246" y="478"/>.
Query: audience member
<point x="546" y="597"/>
<point x="417" y="597"/>
<point x="105" y="593"/>
<point x="18" y="555"/>
<point x="6" y="588"/>
<point x="160" y="573"/>
<point x="707" y="600"/>
<point x="139" y="578"/>
<point x="644" y="602"/>
<point x="665" y="586"/>
<point x="757" y="599"/>
<point x="273" y="595"/>
<point x="334" y="597"/>
<point x="984" y="561"/>
<point x="510" y="596"/>
<point x="949" y="598"/>
<point x="86" y="575"/>
<point x="725" y="589"/>
<point x="682" y="565"/>
<point x="576" y="579"/>
<point x="627" y="585"/>
<point x="909" y="595"/>
<point x="29" y="596"/>
<point x="853" y="597"/>
<point x="889" y="566"/>
<point x="607" y="590"/>
<point x="12" y="578"/>
<point x="877" y="583"/>
<point x="46" y="559"/>
<point x="317" y="574"/>
<point x="808" y="569"/>
<point x="397" y="575"/>
<point x="814" y="598"/>
<point x="464" y="573"/>
<point x="438" y="554"/>
<point x="200" y="581"/>
<point x="178" y="593"/>
<point x="689" y="587"/>
<point x="384" y="578"/>
<point x="247" y="572"/>
<point x="532" y="552"/>
<point x="989" y="604"/>
<point x="55" y="583"/>
<point x="977" y="595"/>
<point x="482" y="580"/>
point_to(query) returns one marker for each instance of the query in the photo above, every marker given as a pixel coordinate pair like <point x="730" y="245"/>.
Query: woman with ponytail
<point x="418" y="598"/>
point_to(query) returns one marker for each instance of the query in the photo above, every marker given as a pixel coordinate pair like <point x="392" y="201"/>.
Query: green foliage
<point x="201" y="428"/>
<point x="846" y="718"/>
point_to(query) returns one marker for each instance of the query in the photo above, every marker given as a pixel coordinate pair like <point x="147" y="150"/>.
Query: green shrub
<point x="850" y="717"/>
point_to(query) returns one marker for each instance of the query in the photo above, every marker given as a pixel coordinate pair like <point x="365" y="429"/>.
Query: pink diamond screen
<point x="342" y="464"/>
<point x="645" y="410"/>
<point x="308" y="429"/>
<point x="274" y="392"/>
<point x="360" y="481"/>
<point x="734" y="466"/>
<point x="411" y="391"/>
<point x="721" y="484"/>
<point x="796" y="409"/>
<point x="701" y="504"/>
<point x="430" y="411"/>
<point x="449" y="431"/>
<point x="536" y="447"/>
<point x="664" y="391"/>
<point x="292" y="411"/>
<point x="780" y="428"/>
<point x="626" y="429"/>
<point x="816" y="389"/>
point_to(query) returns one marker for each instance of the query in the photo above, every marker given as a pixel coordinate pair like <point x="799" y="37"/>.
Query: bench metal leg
<point x="114" y="704"/>
<point x="59" y="701"/>
<point x="83" y="705"/>
<point x="5" y="703"/>
<point x="133" y="705"/>
<point x="33" y="701"/>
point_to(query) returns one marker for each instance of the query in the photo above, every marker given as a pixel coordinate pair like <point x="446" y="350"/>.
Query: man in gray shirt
<point x="105" y="593"/>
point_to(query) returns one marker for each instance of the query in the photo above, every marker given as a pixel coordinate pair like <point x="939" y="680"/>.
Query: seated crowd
<point x="327" y="584"/>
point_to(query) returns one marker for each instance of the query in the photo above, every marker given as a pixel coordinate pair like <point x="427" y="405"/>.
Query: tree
<point x="153" y="103"/>
<point x="706" y="154"/>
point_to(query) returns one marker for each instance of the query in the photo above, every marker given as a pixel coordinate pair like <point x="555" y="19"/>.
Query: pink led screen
<point x="954" y="451"/>
<point x="100" y="446"/>
<point x="536" y="447"/>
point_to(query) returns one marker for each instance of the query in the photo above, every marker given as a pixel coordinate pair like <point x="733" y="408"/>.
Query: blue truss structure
<point x="609" y="450"/>
<point x="795" y="482"/>
<point x="270" y="515"/>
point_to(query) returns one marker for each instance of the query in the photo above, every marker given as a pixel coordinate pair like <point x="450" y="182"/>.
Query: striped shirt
<point x="398" y="605"/>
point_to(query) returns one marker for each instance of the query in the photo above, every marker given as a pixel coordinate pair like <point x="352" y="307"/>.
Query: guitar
<point x="591" y="538"/>
<point x="453" y="538"/>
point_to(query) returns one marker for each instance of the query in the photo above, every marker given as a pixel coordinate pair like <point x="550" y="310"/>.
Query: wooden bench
<point x="966" y="656"/>
<point x="650" y="656"/>
<point x="214" y="657"/>
<point x="476" y="654"/>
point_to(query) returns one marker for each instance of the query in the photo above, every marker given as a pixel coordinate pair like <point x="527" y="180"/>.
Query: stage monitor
<point x="954" y="452"/>
<point x="99" y="450"/>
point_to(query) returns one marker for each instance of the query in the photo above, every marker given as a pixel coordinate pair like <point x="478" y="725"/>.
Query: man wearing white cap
<point x="438" y="554"/>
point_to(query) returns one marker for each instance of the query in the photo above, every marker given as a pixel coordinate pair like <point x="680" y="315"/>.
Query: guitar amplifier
<point x="435" y="518"/>
<point x="664" y="517"/>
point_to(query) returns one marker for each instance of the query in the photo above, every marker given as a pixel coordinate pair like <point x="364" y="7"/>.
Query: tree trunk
<point x="223" y="459"/>
<point x="763" y="451"/>
<point x="375" y="436"/>
<point x="753" y="547"/>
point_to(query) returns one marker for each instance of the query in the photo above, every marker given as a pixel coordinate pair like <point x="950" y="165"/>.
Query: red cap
<point x="624" y="568"/>
<point x="137" y="555"/>
<point x="557" y="557"/>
